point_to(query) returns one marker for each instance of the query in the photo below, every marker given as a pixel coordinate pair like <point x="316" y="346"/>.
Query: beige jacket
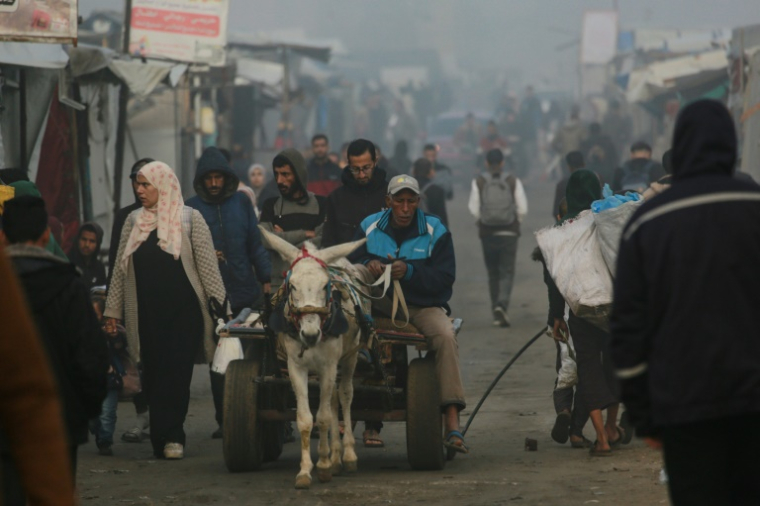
<point x="202" y="269"/>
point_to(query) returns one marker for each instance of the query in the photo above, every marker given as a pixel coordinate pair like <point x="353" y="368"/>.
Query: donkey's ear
<point x="333" y="253"/>
<point x="287" y="251"/>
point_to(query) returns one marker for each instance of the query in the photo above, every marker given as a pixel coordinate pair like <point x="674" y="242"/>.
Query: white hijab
<point x="166" y="215"/>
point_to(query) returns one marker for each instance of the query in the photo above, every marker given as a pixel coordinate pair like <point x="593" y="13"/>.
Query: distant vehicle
<point x="441" y="131"/>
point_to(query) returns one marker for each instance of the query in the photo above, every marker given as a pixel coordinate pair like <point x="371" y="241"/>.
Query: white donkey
<point x="307" y="311"/>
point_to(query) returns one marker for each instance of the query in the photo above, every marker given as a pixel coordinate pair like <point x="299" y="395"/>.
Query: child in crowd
<point x="104" y="426"/>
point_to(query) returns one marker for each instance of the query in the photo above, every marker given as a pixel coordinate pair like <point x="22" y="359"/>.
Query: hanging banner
<point x="53" y="21"/>
<point x="192" y="31"/>
<point x="599" y="38"/>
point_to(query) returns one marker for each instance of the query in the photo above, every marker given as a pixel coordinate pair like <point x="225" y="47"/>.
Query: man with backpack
<point x="498" y="202"/>
<point x="639" y="172"/>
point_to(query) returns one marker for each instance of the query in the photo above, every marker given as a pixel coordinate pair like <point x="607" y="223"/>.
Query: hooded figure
<point x="93" y="270"/>
<point x="297" y="215"/>
<point x="243" y="261"/>
<point x="684" y="325"/>
<point x="583" y="188"/>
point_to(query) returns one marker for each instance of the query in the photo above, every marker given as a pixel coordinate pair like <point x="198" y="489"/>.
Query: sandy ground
<point x="497" y="471"/>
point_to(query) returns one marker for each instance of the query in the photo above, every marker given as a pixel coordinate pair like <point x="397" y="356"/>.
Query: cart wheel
<point x="243" y="448"/>
<point x="273" y="435"/>
<point x="424" y="422"/>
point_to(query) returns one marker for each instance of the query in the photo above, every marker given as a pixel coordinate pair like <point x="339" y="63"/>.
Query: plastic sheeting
<point x="27" y="54"/>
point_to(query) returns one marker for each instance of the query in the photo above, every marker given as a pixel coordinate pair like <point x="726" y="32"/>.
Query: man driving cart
<point x="421" y="254"/>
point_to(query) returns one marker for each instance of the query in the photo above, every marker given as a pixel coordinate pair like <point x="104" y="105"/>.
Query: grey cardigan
<point x="202" y="269"/>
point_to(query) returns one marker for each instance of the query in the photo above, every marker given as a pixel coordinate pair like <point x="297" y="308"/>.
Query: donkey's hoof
<point x="303" y="482"/>
<point x="324" y="475"/>
<point x="350" y="467"/>
<point x="336" y="469"/>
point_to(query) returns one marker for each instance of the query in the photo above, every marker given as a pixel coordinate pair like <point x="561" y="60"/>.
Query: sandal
<point x="595" y="452"/>
<point x="561" y="429"/>
<point x="452" y="445"/>
<point x="372" y="439"/>
<point x="583" y="443"/>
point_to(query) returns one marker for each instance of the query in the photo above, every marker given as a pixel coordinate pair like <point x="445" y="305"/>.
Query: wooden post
<point x="121" y="127"/>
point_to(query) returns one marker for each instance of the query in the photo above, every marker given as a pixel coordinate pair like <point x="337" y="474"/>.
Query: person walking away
<point x="362" y="194"/>
<point x="575" y="162"/>
<point x="498" y="202"/>
<point x="243" y="261"/>
<point x="166" y="277"/>
<point x="103" y="426"/>
<point x="432" y="195"/>
<point x="639" y="172"/>
<point x="401" y="125"/>
<point x="84" y="254"/>
<point x="30" y="410"/>
<point x="467" y="138"/>
<point x="443" y="174"/>
<point x="27" y="188"/>
<point x="599" y="150"/>
<point x="138" y="431"/>
<point x="684" y="324"/>
<point x="324" y="175"/>
<point x="597" y="388"/>
<point x="421" y="252"/>
<point x="62" y="310"/>
<point x="400" y="159"/>
<point x="531" y="118"/>
<point x="296" y="215"/>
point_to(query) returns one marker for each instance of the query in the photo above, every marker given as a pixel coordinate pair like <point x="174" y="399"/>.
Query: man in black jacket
<point x="684" y="326"/>
<point x="62" y="310"/>
<point x="84" y="254"/>
<point x="363" y="193"/>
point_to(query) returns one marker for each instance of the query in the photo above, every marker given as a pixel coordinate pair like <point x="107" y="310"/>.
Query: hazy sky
<point x="506" y="33"/>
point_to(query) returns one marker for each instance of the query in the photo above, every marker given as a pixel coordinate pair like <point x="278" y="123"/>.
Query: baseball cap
<point x="399" y="183"/>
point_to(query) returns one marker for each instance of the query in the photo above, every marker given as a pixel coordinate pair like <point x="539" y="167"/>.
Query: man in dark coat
<point x="243" y="261"/>
<point x="84" y="254"/>
<point x="62" y="310"/>
<point x="363" y="193"/>
<point x="684" y="326"/>
<point x="297" y="215"/>
<point x="431" y="194"/>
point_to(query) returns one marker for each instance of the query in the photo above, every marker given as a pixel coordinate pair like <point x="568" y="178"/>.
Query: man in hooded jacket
<point x="297" y="215"/>
<point x="243" y="260"/>
<point x="684" y="326"/>
<point x="84" y="254"/>
<point x="363" y="193"/>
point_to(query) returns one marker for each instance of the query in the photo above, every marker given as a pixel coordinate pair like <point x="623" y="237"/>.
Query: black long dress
<point x="171" y="330"/>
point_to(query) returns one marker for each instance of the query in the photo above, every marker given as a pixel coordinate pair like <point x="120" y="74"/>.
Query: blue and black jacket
<point x="235" y="232"/>
<point x="427" y="250"/>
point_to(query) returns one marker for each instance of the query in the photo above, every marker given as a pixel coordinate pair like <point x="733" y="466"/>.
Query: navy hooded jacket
<point x="684" y="325"/>
<point x="425" y="246"/>
<point x="234" y="230"/>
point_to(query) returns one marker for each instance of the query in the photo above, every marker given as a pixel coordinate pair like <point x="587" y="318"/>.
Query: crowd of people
<point x="176" y="266"/>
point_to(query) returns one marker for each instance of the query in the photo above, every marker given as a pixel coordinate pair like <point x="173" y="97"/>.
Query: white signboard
<point x="192" y="31"/>
<point x="599" y="38"/>
<point x="53" y="21"/>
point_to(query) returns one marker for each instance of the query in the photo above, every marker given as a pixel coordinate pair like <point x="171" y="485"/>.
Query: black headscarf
<point x="583" y="188"/>
<point x="704" y="141"/>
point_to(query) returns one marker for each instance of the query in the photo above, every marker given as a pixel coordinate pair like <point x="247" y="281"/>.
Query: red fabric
<point x="322" y="188"/>
<point x="56" y="178"/>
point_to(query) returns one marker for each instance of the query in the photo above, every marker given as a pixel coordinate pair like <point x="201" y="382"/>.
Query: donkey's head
<point x="309" y="288"/>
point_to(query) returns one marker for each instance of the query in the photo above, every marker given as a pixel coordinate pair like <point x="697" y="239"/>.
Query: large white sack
<point x="575" y="262"/>
<point x="609" y="227"/>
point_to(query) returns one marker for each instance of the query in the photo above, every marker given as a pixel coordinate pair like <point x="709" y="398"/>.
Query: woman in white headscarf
<point x="166" y="273"/>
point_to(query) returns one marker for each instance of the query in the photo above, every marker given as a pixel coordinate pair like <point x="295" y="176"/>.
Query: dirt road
<point x="497" y="471"/>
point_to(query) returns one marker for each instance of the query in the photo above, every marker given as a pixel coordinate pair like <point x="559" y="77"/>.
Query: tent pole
<point x="121" y="126"/>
